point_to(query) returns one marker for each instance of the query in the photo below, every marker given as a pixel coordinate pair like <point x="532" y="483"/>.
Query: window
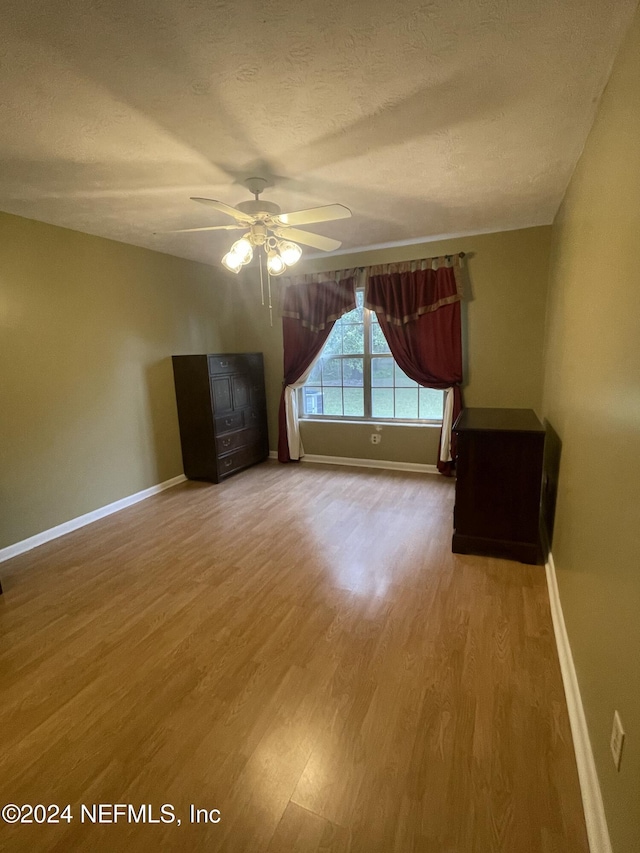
<point x="356" y="377"/>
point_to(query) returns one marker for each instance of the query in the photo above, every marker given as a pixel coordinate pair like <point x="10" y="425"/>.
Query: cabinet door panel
<point x="256" y="392"/>
<point x="253" y="417"/>
<point x="221" y="394"/>
<point x="240" y="385"/>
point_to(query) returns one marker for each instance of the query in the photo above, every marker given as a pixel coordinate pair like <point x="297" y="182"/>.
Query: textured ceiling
<point x="425" y="117"/>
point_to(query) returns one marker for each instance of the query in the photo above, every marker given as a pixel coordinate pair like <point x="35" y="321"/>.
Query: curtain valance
<point x="405" y="291"/>
<point x="317" y="299"/>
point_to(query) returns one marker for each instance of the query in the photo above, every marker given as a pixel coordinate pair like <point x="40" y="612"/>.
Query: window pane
<point x="332" y="371"/>
<point x="356" y="315"/>
<point x="406" y="402"/>
<point x="333" y="345"/>
<point x="382" y="402"/>
<point x="353" y="338"/>
<point x="381" y="372"/>
<point x="378" y="340"/>
<point x="403" y="381"/>
<point x="431" y="404"/>
<point x="315" y="377"/>
<point x="333" y="401"/>
<point x="312" y="400"/>
<point x="352" y="371"/>
<point x="354" y="402"/>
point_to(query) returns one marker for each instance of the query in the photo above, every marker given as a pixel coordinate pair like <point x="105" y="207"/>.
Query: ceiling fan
<point x="267" y="227"/>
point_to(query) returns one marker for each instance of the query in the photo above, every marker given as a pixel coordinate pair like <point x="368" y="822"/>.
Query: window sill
<point x="371" y="423"/>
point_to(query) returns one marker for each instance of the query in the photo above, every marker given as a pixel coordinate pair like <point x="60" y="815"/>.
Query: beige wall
<point x="254" y="333"/>
<point x="592" y="399"/>
<point x="503" y="327"/>
<point x="87" y="328"/>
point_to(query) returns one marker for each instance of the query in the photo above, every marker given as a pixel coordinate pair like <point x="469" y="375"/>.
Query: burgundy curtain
<point x="311" y="306"/>
<point x="418" y="307"/>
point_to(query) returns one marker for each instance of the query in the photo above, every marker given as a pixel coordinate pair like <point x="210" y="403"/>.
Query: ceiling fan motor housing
<point x="258" y="208"/>
<point x="259" y="234"/>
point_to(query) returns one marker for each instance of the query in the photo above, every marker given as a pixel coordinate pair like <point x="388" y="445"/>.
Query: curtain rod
<point x="365" y="266"/>
<point x="459" y="255"/>
<point x="446" y="255"/>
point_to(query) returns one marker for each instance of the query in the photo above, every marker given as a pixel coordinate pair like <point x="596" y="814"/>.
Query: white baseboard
<point x="594" y="813"/>
<point x="82" y="520"/>
<point x="365" y="463"/>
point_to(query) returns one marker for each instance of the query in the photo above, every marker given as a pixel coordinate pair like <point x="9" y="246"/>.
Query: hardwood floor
<point x="299" y="649"/>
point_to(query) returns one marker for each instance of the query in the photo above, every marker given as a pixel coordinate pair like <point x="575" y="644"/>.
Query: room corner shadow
<point x="164" y="418"/>
<point x="467" y="297"/>
<point x="550" y="474"/>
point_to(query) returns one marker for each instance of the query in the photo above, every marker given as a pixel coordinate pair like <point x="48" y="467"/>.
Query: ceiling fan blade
<point x="314" y="214"/>
<point x="317" y="241"/>
<point x="224" y="208"/>
<point x="206" y="228"/>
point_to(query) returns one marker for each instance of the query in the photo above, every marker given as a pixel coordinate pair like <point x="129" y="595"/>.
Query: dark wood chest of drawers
<point x="221" y="412"/>
<point x="499" y="469"/>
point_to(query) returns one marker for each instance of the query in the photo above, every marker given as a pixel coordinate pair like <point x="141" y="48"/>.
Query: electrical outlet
<point x="617" y="740"/>
<point x="376" y="438"/>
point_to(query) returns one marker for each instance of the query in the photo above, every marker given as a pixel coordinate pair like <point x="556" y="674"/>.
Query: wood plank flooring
<point x="299" y="649"/>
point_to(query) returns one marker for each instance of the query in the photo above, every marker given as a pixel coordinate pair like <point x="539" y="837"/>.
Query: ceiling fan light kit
<point x="290" y="252"/>
<point x="232" y="262"/>
<point x="275" y="263"/>
<point x="243" y="248"/>
<point x="280" y="253"/>
<point x="271" y="230"/>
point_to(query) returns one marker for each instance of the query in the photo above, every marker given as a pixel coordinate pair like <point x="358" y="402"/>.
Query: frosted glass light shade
<point x="232" y="262"/>
<point x="290" y="252"/>
<point x="275" y="264"/>
<point x="243" y="249"/>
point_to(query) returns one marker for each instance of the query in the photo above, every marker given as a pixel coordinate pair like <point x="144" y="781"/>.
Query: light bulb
<point x="232" y="262"/>
<point x="290" y="252"/>
<point x="275" y="264"/>
<point x="243" y="249"/>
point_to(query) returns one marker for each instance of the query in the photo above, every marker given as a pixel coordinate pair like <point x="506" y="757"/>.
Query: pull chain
<point x="261" y="280"/>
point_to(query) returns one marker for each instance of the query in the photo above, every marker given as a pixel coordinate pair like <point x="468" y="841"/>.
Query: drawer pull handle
<point x="228" y="422"/>
<point x="224" y="363"/>
<point x="227" y="463"/>
<point x="226" y="442"/>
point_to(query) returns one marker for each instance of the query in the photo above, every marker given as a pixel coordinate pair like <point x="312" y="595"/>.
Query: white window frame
<point x="367" y="358"/>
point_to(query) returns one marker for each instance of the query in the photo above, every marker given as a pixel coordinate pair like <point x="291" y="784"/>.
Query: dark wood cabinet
<point x="498" y="484"/>
<point x="222" y="413"/>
